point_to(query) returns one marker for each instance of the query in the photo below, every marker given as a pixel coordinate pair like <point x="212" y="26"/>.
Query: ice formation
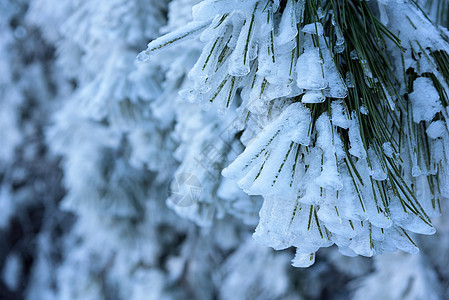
<point x="328" y="154"/>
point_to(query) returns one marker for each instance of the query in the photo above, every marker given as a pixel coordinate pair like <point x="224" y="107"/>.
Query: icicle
<point x="339" y="114"/>
<point x="357" y="146"/>
<point x="239" y="60"/>
<point x="287" y="27"/>
<point x="303" y="260"/>
<point x="173" y="38"/>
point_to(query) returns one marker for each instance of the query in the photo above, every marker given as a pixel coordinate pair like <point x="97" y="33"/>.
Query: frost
<point x="313" y="97"/>
<point x="303" y="260"/>
<point x="309" y="71"/>
<point x="397" y="284"/>
<point x="173" y="38"/>
<point x="339" y="114"/>
<point x="425" y="100"/>
<point x="436" y="129"/>
<point x="257" y="167"/>
<point x="244" y="125"/>
<point x="357" y="147"/>
<point x="314" y="28"/>
<point x="287" y="27"/>
<point x="388" y="149"/>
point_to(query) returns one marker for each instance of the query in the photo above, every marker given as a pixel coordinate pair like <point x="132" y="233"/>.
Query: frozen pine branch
<point x="352" y="103"/>
<point x="247" y="126"/>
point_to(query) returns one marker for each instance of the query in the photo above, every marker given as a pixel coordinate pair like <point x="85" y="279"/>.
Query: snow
<point x="258" y="108"/>
<point x="339" y="114"/>
<point x="425" y="100"/>
<point x="314" y="28"/>
<point x="313" y="97"/>
<point x="287" y="26"/>
<point x="309" y="71"/>
<point x="173" y="38"/>
<point x="240" y="57"/>
<point x="357" y="147"/>
<point x="436" y="129"/>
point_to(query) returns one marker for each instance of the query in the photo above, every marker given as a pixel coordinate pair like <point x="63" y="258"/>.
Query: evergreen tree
<point x="244" y="125"/>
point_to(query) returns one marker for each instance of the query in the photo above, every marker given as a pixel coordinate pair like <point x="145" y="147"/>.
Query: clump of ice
<point x="313" y="28"/>
<point x="425" y="100"/>
<point x="388" y="149"/>
<point x="339" y="116"/>
<point x="357" y="146"/>
<point x="309" y="72"/>
<point x="287" y="26"/>
<point x="313" y="97"/>
<point x="436" y="129"/>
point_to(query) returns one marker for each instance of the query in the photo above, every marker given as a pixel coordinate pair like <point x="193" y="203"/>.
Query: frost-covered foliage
<point x="245" y="125"/>
<point x="121" y="142"/>
<point x="31" y="225"/>
<point x="415" y="281"/>
<point x="347" y="144"/>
